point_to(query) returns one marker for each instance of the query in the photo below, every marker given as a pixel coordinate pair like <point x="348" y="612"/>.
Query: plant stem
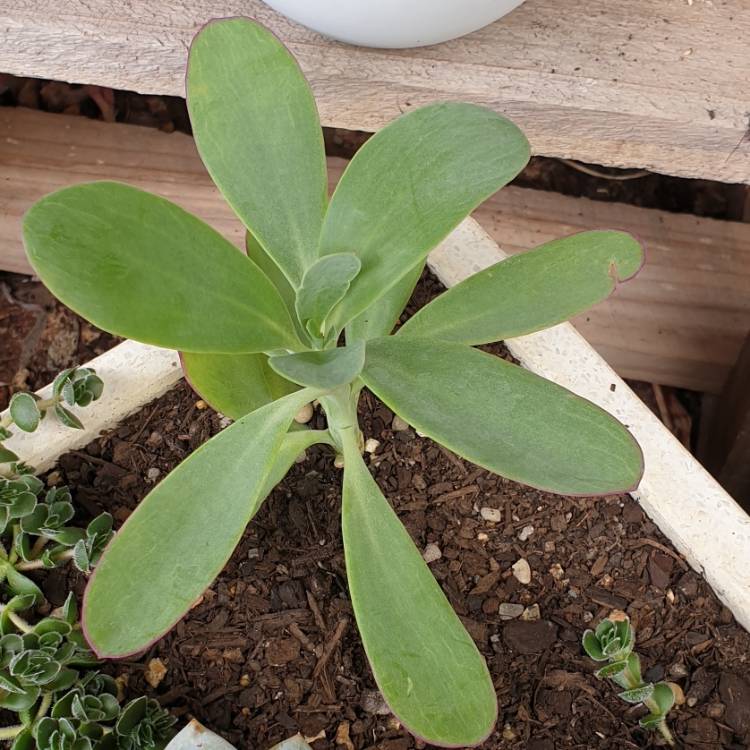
<point x="341" y="412"/>
<point x="20" y="623"/>
<point x="13" y="552"/>
<point x="39" y="545"/>
<point x="38" y="564"/>
<point x="633" y="681"/>
<point x="44" y="706"/>
<point x="9" y="733"/>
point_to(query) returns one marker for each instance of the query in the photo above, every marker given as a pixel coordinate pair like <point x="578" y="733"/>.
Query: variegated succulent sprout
<point x="48" y="678"/>
<point x="35" y="528"/>
<point x="305" y="314"/>
<point x="613" y="642"/>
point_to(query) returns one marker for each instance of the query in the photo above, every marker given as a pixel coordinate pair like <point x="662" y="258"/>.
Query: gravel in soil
<point x="272" y="647"/>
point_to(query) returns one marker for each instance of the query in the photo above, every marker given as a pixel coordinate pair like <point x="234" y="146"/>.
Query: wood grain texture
<point x="682" y="321"/>
<point x="659" y="84"/>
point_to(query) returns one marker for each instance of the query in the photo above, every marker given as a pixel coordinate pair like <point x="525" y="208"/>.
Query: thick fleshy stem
<point x="631" y="681"/>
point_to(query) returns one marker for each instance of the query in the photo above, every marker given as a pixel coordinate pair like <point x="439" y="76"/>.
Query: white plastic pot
<point x="394" y="23"/>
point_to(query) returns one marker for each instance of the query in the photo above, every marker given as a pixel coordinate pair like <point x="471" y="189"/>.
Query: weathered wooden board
<point x="681" y="322"/>
<point x="660" y="84"/>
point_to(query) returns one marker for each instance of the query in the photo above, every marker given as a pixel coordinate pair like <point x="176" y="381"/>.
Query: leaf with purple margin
<point x="502" y="417"/>
<point x="139" y="266"/>
<point x="425" y="663"/>
<point x="257" y="130"/>
<point x="409" y="186"/>
<point x="181" y="535"/>
<point x="530" y="291"/>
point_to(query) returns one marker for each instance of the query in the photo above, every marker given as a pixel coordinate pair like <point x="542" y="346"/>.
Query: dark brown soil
<point x="244" y="660"/>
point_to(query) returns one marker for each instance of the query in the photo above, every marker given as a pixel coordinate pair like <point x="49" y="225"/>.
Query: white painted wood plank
<point x="660" y="84"/>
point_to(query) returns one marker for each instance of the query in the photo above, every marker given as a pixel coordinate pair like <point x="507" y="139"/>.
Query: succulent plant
<point x="613" y="642"/>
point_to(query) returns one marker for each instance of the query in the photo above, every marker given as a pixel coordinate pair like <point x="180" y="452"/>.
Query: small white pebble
<point x="338" y="462"/>
<point x="557" y="572"/>
<point x="371" y="445"/>
<point x="304" y="415"/>
<point x="522" y="571"/>
<point x="587" y="616"/>
<point x="532" y="613"/>
<point x="431" y="553"/>
<point x="482" y="537"/>
<point x="224" y="422"/>
<point x="153" y="474"/>
<point x="525" y="533"/>
<point x="509" y="611"/>
<point x="398" y="424"/>
<point x="493" y="515"/>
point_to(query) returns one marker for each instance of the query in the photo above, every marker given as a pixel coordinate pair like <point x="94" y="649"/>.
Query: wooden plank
<point x="681" y="322"/>
<point x="658" y="84"/>
<point x="725" y="444"/>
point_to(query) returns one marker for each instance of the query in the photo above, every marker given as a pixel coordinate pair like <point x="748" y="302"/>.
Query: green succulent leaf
<point x="67" y="418"/>
<point x="592" y="647"/>
<point x="611" y="670"/>
<point x="425" y="663"/>
<point x="181" y="535"/>
<point x="530" y="291"/>
<point x="409" y="186"/>
<point x="613" y="646"/>
<point x="21" y="701"/>
<point x="234" y="384"/>
<point x="143" y="725"/>
<point x="326" y="369"/>
<point x="380" y="317"/>
<point x="139" y="266"/>
<point x="263" y="260"/>
<point x="6" y="455"/>
<point x="69" y="610"/>
<point x="652" y="721"/>
<point x="20" y="585"/>
<point x="502" y="417"/>
<point x="24" y="411"/>
<point x="257" y="130"/>
<point x="24" y="741"/>
<point x="637" y="695"/>
<point x="663" y="696"/>
<point x="324" y="285"/>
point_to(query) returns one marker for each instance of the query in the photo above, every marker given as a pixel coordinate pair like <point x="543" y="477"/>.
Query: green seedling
<point x="613" y="642"/>
<point x="47" y="679"/>
<point x="76" y="386"/>
<point x="35" y="529"/>
<point x="47" y="675"/>
<point x="306" y="314"/>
